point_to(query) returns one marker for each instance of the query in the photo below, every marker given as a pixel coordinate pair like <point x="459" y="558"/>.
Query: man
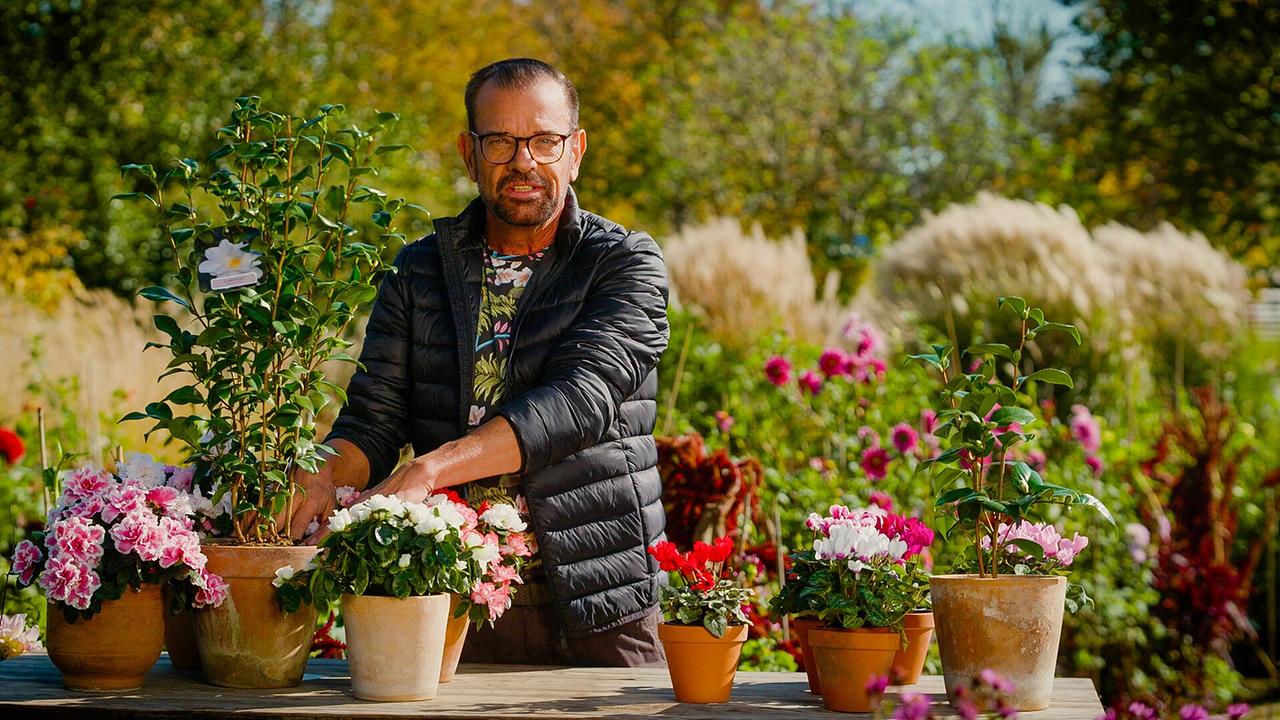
<point x="515" y="348"/>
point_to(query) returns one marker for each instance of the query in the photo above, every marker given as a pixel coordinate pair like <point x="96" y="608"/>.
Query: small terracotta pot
<point x="702" y="665"/>
<point x="180" y="637"/>
<point x="847" y="660"/>
<point x="801" y="627"/>
<point x="394" y="646"/>
<point x="1010" y="624"/>
<point x="908" y="662"/>
<point x="455" y="636"/>
<point x="249" y="641"/>
<point x="113" y="650"/>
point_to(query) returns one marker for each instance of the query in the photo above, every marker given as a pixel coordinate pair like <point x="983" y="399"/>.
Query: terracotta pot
<point x="113" y="650"/>
<point x="455" y="636"/>
<point x="180" y="637"/>
<point x="1010" y="624"/>
<point x="394" y="646"/>
<point x="249" y="641"/>
<point x="801" y="627"/>
<point x="702" y="665"/>
<point x="847" y="659"/>
<point x="908" y="662"/>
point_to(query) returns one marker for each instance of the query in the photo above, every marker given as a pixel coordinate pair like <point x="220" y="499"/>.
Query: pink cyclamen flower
<point x="995" y="681"/>
<point x="833" y="362"/>
<point x="875" y="463"/>
<point x="26" y="557"/>
<point x="1193" y="712"/>
<point x="1084" y="428"/>
<point x="1236" y="711"/>
<point x="724" y="421"/>
<point x="877" y="684"/>
<point x="904" y="438"/>
<point x="881" y="500"/>
<point x="79" y="539"/>
<point x="912" y="706"/>
<point x="1141" y="711"/>
<point x="778" y="370"/>
<point x="810" y="382"/>
<point x="69" y="582"/>
<point x="85" y="482"/>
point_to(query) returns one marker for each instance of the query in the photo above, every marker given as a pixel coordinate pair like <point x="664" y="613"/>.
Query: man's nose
<point x="523" y="160"/>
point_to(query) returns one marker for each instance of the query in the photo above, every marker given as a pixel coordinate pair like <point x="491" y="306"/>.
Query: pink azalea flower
<point x="810" y="382"/>
<point x="515" y="545"/>
<point x="85" y="482"/>
<point x="502" y="574"/>
<point x="904" y="438"/>
<point x="69" y="582"/>
<point x="162" y="496"/>
<point x="123" y="500"/>
<point x="833" y="362"/>
<point x="139" y="532"/>
<point x="211" y="589"/>
<point x="875" y="463"/>
<point x="78" y="539"/>
<point x="778" y="370"/>
<point x="180" y="478"/>
<point x="26" y="557"/>
<point x="345" y="495"/>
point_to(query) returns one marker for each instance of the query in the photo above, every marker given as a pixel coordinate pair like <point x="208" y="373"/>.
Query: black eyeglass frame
<point x="480" y="138"/>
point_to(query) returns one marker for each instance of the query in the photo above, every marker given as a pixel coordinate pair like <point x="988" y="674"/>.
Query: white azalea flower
<point x="503" y="516"/>
<point x="228" y="258"/>
<point x="140" y="468"/>
<point x="390" y="503"/>
<point x="340" y="520"/>
<point x="431" y="525"/>
<point x="283" y="574"/>
<point x="450" y="515"/>
<point x="485" y="553"/>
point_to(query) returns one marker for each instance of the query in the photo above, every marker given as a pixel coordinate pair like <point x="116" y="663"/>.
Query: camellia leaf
<point x="1052" y="376"/>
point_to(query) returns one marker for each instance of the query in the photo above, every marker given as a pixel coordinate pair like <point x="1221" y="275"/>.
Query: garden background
<point x="835" y="185"/>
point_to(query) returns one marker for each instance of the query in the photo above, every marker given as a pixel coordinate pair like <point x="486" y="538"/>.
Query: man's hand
<point x="413" y="482"/>
<point x="314" y="499"/>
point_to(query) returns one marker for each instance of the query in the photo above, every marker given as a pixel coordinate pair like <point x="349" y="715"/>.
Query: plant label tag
<point x="226" y="263"/>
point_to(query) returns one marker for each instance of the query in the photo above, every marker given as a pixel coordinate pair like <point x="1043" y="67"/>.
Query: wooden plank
<point x="30" y="687"/>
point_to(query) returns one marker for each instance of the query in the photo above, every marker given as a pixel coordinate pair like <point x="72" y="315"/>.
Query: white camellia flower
<point x="340" y="520"/>
<point x="505" y="517"/>
<point x="283" y="574"/>
<point x="228" y="258"/>
<point x="140" y="468"/>
<point x="403" y="562"/>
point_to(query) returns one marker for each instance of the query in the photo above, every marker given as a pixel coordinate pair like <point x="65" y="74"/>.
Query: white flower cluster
<point x="858" y="542"/>
<point x="437" y="518"/>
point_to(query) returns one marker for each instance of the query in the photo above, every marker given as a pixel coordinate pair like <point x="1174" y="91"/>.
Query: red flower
<point x="875" y="463"/>
<point x="778" y="370"/>
<point x="11" y="447"/>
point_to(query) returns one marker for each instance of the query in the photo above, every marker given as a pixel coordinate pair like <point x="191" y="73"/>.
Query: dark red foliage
<point x="325" y="645"/>
<point x="705" y="495"/>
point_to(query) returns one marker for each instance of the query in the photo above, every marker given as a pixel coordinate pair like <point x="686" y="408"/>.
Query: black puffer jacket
<point x="581" y="389"/>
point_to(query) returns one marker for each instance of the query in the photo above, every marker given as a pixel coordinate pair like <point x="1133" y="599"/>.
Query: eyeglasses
<point x="501" y="148"/>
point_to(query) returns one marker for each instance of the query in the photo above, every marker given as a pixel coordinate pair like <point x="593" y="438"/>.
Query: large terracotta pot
<point x="394" y="646"/>
<point x="847" y="660"/>
<point x="180" y="637"/>
<point x="249" y="641"/>
<point x="801" y="627"/>
<point x="1010" y="624"/>
<point x="113" y="650"/>
<point x="702" y="665"/>
<point x="908" y="662"/>
<point x="455" y="636"/>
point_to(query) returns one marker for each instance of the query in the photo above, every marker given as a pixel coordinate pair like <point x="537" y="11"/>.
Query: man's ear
<point x="578" y="148"/>
<point x="466" y="148"/>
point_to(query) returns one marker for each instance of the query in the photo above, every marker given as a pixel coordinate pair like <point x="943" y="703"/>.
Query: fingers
<point x="318" y="536"/>
<point x="313" y="508"/>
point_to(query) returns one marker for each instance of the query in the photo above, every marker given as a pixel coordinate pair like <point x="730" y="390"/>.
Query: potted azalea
<point x="111" y="543"/>
<point x="705" y="623"/>
<point x="801" y="596"/>
<point x="1002" y="607"/>
<point x="862" y="580"/>
<point x="395" y="566"/>
<point x="278" y="241"/>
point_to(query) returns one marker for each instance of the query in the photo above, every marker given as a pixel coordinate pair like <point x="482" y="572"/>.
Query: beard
<point x="523" y="213"/>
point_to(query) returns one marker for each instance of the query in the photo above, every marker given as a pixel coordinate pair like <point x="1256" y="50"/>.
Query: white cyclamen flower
<point x="504" y="517"/>
<point x="228" y="258"/>
<point x="340" y="519"/>
<point x="403" y="562"/>
<point x="283" y="574"/>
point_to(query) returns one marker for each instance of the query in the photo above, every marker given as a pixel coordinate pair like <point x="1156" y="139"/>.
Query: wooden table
<point x="30" y="687"/>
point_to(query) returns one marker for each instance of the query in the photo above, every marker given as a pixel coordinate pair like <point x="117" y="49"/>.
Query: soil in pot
<point x="113" y="650"/>
<point x="702" y="666"/>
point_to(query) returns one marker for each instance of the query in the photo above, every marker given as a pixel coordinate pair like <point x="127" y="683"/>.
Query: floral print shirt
<point x="505" y="279"/>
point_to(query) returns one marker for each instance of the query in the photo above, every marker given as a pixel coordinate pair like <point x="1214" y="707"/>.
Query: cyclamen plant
<point x="268" y="288"/>
<point x="865" y="570"/>
<point x="109" y="532"/>
<point x="387" y="547"/>
<point x="701" y="589"/>
<point x="988" y="492"/>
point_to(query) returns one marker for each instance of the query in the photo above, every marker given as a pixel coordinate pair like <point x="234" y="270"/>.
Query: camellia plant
<point x="993" y="497"/>
<point x="702" y="590"/>
<point x="270" y="274"/>
<point x="865" y="569"/>
<point x="387" y="547"/>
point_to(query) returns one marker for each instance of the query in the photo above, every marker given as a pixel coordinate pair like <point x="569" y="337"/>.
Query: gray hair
<point x="520" y="73"/>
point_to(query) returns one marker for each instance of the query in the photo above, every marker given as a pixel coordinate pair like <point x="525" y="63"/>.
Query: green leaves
<point x="1051" y="376"/>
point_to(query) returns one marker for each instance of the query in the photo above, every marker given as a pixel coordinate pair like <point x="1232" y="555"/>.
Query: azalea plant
<point x="993" y="496"/>
<point x="865" y="569"/>
<point x="113" y="531"/>
<point x="702" y="590"/>
<point x="388" y="547"/>
<point x="266" y="286"/>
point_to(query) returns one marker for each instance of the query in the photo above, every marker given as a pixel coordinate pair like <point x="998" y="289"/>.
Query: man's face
<point x="523" y="192"/>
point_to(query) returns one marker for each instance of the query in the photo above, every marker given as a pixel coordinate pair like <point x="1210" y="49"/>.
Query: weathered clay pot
<point x="455" y="636"/>
<point x="180" y="637"/>
<point x="702" y="666"/>
<point x="1010" y="624"/>
<point x="113" y="650"/>
<point x="801" y="627"/>
<point x="847" y="660"/>
<point x="249" y="641"/>
<point x="908" y="662"/>
<point x="394" y="646"/>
